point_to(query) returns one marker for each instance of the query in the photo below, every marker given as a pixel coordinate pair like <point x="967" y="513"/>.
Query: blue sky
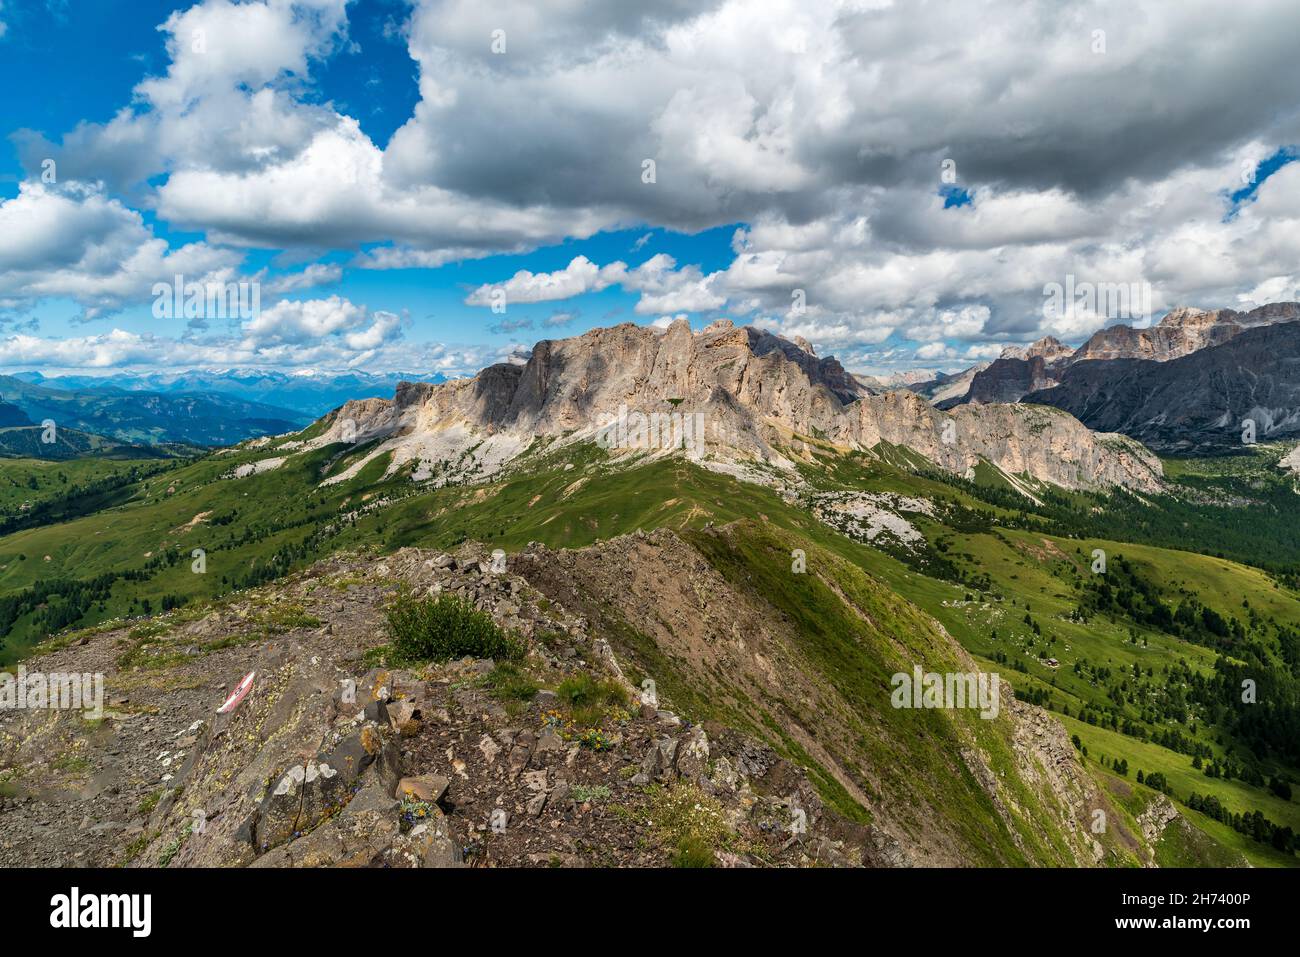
<point x="379" y="167"/>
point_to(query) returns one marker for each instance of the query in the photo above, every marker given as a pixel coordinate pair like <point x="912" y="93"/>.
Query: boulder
<point x="357" y="837"/>
<point x="429" y="788"/>
<point x="693" y="755"/>
<point x="307" y="793"/>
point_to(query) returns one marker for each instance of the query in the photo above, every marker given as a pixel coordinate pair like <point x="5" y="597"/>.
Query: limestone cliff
<point x="757" y="396"/>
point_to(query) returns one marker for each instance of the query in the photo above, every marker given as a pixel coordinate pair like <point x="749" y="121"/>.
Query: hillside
<point x="672" y="608"/>
<point x="780" y="760"/>
<point x="63" y="445"/>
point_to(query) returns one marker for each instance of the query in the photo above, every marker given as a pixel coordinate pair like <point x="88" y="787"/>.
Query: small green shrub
<point x="442" y="628"/>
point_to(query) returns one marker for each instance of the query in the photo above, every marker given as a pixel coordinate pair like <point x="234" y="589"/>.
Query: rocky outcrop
<point x="1198" y="403"/>
<point x="1050" y="349"/>
<point x="756" y="396"/>
<point x="1291" y="461"/>
<point x="1008" y="379"/>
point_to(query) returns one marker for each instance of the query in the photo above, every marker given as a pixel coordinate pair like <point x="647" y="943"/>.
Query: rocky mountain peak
<point x="1270" y="313"/>
<point x="1049" y="348"/>
<point x="757" y="397"/>
<point x="1182" y="315"/>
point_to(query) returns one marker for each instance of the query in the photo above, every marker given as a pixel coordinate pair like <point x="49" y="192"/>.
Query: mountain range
<point x="144" y="418"/>
<point x="764" y="404"/>
<point x="1200" y="401"/>
<point x="1186" y="384"/>
<point x="309" y="392"/>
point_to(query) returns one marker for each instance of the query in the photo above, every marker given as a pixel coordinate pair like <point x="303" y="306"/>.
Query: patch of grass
<point x="173" y="847"/>
<point x="582" y="793"/>
<point x="135" y="849"/>
<point x="71" y="763"/>
<point x="446" y="627"/>
<point x="693" y="852"/>
<point x="590" y="699"/>
<point x="508" y="682"/>
<point x="287" y="617"/>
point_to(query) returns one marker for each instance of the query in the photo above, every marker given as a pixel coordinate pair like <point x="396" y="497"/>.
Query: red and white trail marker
<point x="239" y="694"/>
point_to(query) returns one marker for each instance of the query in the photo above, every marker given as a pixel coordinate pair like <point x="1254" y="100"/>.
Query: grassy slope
<point x="855" y="649"/>
<point x="573" y="498"/>
<point x="37" y="480"/>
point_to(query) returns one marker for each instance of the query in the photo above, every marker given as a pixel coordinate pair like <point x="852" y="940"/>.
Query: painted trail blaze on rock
<point x="239" y="694"/>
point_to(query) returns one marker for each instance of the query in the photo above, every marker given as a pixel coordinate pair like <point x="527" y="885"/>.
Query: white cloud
<point x="662" y="285"/>
<point x="821" y="126"/>
<point x="77" y="243"/>
<point x="290" y="321"/>
<point x="316" y="274"/>
<point x="374" y="342"/>
<point x="580" y="276"/>
<point x="665" y="288"/>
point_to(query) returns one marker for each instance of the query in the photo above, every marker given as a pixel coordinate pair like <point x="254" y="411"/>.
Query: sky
<point x="434" y="185"/>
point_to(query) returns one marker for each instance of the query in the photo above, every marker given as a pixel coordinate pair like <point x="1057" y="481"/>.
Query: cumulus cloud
<point x="580" y="276"/>
<point x="1097" y="139"/>
<point x="662" y="286"/>
<point x="289" y="321"/>
<point x="75" y="242"/>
